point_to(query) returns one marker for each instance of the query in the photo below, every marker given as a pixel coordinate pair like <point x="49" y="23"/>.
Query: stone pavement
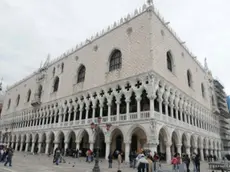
<point x="23" y="162"/>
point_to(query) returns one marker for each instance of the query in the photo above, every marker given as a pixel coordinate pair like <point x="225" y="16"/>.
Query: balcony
<point x="36" y="101"/>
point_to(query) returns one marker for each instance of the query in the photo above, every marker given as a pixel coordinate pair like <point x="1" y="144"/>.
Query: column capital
<point x="168" y="144"/>
<point x="179" y="145"/>
<point x="127" y="141"/>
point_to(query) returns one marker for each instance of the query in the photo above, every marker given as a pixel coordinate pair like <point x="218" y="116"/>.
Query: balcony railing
<point x="121" y="118"/>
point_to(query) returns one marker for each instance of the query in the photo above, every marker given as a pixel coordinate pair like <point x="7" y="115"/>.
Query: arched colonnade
<point x="165" y="140"/>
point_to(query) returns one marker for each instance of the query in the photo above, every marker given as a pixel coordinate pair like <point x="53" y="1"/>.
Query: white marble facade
<point x="147" y="85"/>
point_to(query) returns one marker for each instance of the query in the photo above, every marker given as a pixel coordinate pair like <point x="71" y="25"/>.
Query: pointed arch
<point x="169" y="59"/>
<point x="163" y="131"/>
<point x="203" y="90"/>
<point x="56" y="84"/>
<point x="8" y="105"/>
<point x="69" y="134"/>
<point x="176" y="136"/>
<point x="133" y="129"/>
<point x="189" y="78"/>
<point x="40" y="89"/>
<point x="18" y="100"/>
<point x="28" y="95"/>
<point x="80" y="135"/>
<point x="81" y="74"/>
<point x="115" y="60"/>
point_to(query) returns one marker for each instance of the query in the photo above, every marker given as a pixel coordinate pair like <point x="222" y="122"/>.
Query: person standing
<point x="119" y="160"/>
<point x="9" y="154"/>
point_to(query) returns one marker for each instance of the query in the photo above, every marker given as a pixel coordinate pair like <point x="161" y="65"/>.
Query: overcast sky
<point x="30" y="29"/>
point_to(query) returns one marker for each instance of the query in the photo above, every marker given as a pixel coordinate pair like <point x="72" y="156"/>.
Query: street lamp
<point x="96" y="129"/>
<point x="5" y="135"/>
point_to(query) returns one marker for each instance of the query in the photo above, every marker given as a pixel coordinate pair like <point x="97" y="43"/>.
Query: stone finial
<point x="108" y="29"/>
<point x="128" y="16"/>
<point x="205" y="64"/>
<point x="97" y="35"/>
<point x="121" y="20"/>
<point x="144" y="7"/>
<point x="115" y="24"/>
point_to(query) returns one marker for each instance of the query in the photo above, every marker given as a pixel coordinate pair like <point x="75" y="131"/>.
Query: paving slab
<point x="23" y="162"/>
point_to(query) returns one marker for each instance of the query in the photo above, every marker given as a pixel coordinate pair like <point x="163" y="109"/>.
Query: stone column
<point x="138" y="98"/>
<point x="16" y="146"/>
<point x="153" y="147"/>
<point x="127" y="108"/>
<point x="188" y="150"/>
<point x="21" y="146"/>
<point x="118" y="110"/>
<point x="32" y="147"/>
<point x="39" y="147"/>
<point x="107" y="152"/>
<point x="166" y="108"/>
<point x="86" y="114"/>
<point x="177" y="113"/>
<point x="215" y="152"/>
<point x="27" y="146"/>
<point x="127" y="151"/>
<point x="151" y="106"/>
<point x="201" y="153"/>
<point x="101" y="109"/>
<point x="80" y="117"/>
<point x="93" y="116"/>
<point x="206" y="152"/>
<point x="168" y="152"/>
<point x="219" y="152"/>
<point x="47" y="147"/>
<point x="56" y="146"/>
<point x="178" y="146"/>
<point x="160" y="105"/>
<point x="109" y="112"/>
<point x="91" y="146"/>
<point x="66" y="147"/>
<point x="77" y="145"/>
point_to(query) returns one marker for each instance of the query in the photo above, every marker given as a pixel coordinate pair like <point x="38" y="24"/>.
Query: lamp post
<point x="5" y="135"/>
<point x="96" y="129"/>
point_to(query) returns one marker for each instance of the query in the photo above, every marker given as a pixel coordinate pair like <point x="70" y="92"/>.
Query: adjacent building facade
<point x="137" y="76"/>
<point x="219" y="101"/>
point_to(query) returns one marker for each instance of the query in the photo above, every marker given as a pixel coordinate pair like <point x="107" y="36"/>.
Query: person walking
<point x="174" y="163"/>
<point x="156" y="160"/>
<point x="9" y="155"/>
<point x="110" y="160"/>
<point x="197" y="163"/>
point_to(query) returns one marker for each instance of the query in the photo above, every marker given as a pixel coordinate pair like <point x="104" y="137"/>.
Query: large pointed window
<point x="56" y="84"/>
<point x="81" y="74"/>
<point x="28" y="95"/>
<point x="9" y="102"/>
<point x="189" y="78"/>
<point x="169" y="61"/>
<point x="40" y="91"/>
<point x="115" y="60"/>
<point x="203" y="90"/>
<point x="18" y="100"/>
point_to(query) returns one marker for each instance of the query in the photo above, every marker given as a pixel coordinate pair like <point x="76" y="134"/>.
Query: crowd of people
<point x="145" y="161"/>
